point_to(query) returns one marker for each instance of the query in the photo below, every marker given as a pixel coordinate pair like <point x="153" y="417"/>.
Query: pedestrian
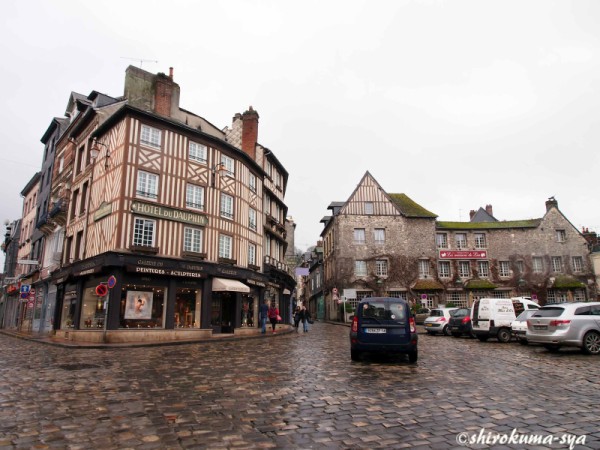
<point x="297" y="318"/>
<point x="262" y="316"/>
<point x="273" y="315"/>
<point x="305" y="317"/>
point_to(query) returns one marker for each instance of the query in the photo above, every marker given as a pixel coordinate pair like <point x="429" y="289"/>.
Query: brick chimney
<point x="471" y="214"/>
<point x="489" y="210"/>
<point x="551" y="203"/>
<point x="250" y="132"/>
<point x="163" y="94"/>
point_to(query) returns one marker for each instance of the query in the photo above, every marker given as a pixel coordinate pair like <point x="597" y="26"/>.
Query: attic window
<point x="368" y="208"/>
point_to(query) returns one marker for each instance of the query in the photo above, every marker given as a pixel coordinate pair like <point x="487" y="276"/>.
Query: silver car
<point x="438" y="319"/>
<point x="566" y="324"/>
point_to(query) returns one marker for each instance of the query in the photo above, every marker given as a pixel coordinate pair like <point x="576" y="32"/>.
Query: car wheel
<point x="591" y="343"/>
<point x="523" y="341"/>
<point x="354" y="355"/>
<point x="503" y="335"/>
<point x="472" y="335"/>
<point x="553" y="348"/>
<point x="428" y="332"/>
<point x="456" y="335"/>
<point x="446" y="330"/>
<point x="413" y="356"/>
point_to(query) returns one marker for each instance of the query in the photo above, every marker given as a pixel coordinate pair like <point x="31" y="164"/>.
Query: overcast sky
<point x="457" y="104"/>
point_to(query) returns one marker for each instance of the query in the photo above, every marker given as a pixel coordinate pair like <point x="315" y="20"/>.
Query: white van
<point x="492" y="317"/>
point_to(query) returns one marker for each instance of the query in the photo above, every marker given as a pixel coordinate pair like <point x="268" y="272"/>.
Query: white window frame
<point x="229" y="165"/>
<point x="252" y="221"/>
<point x="483" y="268"/>
<point x="359" y="236"/>
<point x="561" y="236"/>
<point x="252" y="182"/>
<point x="225" y="246"/>
<point x="504" y="269"/>
<point x="197" y="152"/>
<point x="441" y="240"/>
<point x="360" y="268"/>
<point x="226" y="206"/>
<point x="150" y="136"/>
<point x="444" y="269"/>
<point x="147" y="185"/>
<point x="194" y="196"/>
<point x="379" y="235"/>
<point x="381" y="267"/>
<point x="423" y="268"/>
<point x="460" y="239"/>
<point x="557" y="264"/>
<point x="537" y="264"/>
<point x="464" y="269"/>
<point x="143" y="232"/>
<point x="252" y="254"/>
<point x="192" y="239"/>
<point x="577" y="262"/>
<point x="369" y="208"/>
<point x="480" y="241"/>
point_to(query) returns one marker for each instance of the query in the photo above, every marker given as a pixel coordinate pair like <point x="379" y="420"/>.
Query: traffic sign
<point x="24" y="295"/>
<point x="25" y="288"/>
<point x="111" y="281"/>
<point x="101" y="290"/>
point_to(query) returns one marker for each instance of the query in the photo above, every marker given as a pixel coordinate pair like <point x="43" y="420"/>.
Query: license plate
<point x="428" y="324"/>
<point x="540" y="327"/>
<point x="375" y="330"/>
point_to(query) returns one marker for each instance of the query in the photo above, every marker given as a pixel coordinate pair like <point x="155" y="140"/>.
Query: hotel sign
<point x="463" y="254"/>
<point x="163" y="212"/>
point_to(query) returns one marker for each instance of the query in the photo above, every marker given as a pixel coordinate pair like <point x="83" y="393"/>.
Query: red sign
<point x="101" y="290"/>
<point x="463" y="254"/>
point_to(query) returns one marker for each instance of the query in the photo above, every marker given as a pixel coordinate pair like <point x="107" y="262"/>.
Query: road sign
<point x="101" y="290"/>
<point x="111" y="281"/>
<point x="24" y="295"/>
<point x="25" y="288"/>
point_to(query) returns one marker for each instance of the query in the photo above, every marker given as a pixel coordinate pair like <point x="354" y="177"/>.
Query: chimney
<point x="471" y="214"/>
<point x="551" y="203"/>
<point x="250" y="132"/>
<point x="489" y="210"/>
<point x="164" y="94"/>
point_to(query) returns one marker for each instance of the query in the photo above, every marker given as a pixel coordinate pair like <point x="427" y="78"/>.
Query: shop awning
<point x="223" y="284"/>
<point x="286" y="292"/>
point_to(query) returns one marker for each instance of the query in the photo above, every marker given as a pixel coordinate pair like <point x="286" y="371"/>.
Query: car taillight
<point x="355" y="324"/>
<point x="442" y="319"/>
<point x="466" y="319"/>
<point x="558" y="323"/>
<point x="413" y="327"/>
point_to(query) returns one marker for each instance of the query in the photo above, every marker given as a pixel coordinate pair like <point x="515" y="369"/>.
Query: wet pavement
<point x="296" y="391"/>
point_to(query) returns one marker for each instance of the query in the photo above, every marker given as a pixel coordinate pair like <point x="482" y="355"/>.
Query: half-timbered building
<point x="172" y="228"/>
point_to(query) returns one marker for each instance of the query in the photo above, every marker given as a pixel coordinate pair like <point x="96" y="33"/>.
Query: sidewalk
<point x="51" y="340"/>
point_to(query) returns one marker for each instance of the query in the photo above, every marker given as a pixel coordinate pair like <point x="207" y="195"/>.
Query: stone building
<point x="382" y="244"/>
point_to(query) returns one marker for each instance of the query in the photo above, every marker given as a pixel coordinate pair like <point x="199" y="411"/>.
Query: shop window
<point x="67" y="319"/>
<point x="248" y="311"/>
<point x="187" y="308"/>
<point x="93" y="309"/>
<point x="142" y="306"/>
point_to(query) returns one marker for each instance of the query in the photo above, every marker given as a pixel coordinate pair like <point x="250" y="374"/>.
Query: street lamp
<point x="221" y="169"/>
<point x="95" y="151"/>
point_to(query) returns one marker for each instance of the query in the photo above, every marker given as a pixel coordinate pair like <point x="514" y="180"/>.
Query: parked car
<point x="460" y="323"/>
<point x="492" y="317"/>
<point x="421" y="315"/>
<point x="566" y="324"/>
<point x="383" y="325"/>
<point x="438" y="319"/>
<point x="518" y="327"/>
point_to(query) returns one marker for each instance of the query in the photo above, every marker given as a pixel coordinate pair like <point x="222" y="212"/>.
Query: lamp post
<point x="95" y="151"/>
<point x="220" y="169"/>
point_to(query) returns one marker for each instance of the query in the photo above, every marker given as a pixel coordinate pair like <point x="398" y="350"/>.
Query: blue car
<point x="383" y="325"/>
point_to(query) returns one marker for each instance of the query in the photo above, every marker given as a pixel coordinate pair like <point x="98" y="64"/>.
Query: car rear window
<point x="548" y="312"/>
<point x="461" y="313"/>
<point x="378" y="311"/>
<point x="437" y="313"/>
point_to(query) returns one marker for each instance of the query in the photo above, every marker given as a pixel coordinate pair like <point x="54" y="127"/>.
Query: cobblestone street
<point x="292" y="391"/>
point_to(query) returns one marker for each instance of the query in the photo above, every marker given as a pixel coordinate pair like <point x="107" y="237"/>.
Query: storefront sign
<point x="86" y="272"/>
<point x="463" y="254"/>
<point x="256" y="283"/>
<point x="163" y="212"/>
<point x="165" y="272"/>
<point x="103" y="210"/>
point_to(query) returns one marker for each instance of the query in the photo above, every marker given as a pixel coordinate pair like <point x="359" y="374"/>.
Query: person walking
<point x="273" y="316"/>
<point x="297" y="318"/>
<point x="305" y="317"/>
<point x="263" y="315"/>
